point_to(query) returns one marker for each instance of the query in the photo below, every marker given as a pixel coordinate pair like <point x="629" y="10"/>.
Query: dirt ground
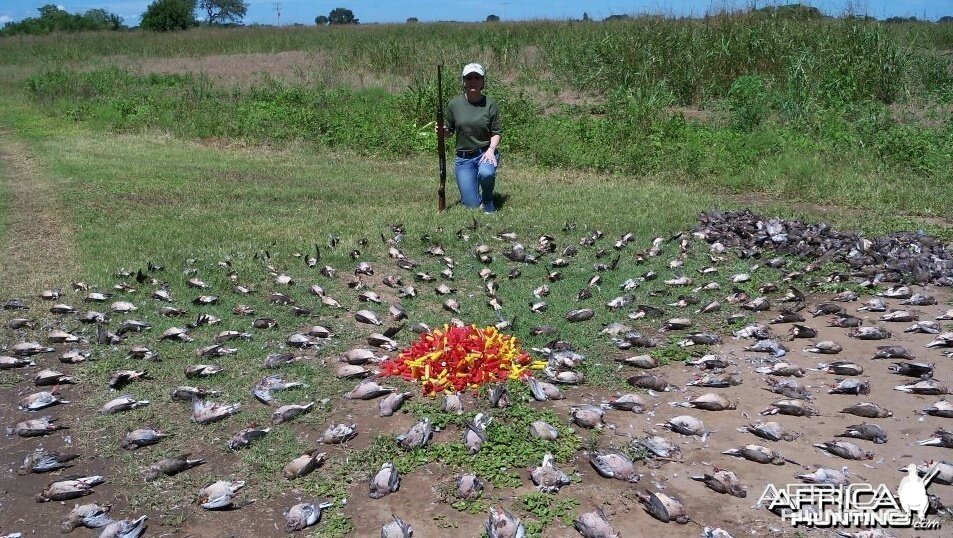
<point x="418" y="503"/>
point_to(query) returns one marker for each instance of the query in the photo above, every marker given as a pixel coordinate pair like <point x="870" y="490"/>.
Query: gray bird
<point x="796" y="408"/>
<point x="205" y="412"/>
<point x="711" y="402"/>
<point x="543" y="430"/>
<point x="475" y="434"/>
<point x="547" y="477"/>
<point x="304" y="515"/>
<point x="452" y="404"/>
<point x="850" y="386"/>
<point x="393" y="402"/>
<point x="825" y="347"/>
<point x="723" y="481"/>
<point x="219" y="495"/>
<point x="303" y="465"/>
<point x="368" y="389"/>
<point x="757" y="454"/>
<point x="928" y="387"/>
<point x="142" y="437"/>
<point x="503" y="524"/>
<point x="41" y="400"/>
<point x="867" y="410"/>
<point x="587" y="416"/>
<point x="385" y="482"/>
<point x="123" y="403"/>
<point x="614" y="464"/>
<point x="687" y="425"/>
<point x="869" y="333"/>
<point x="845" y="449"/>
<point x="417" y="436"/>
<point x="469" y="487"/>
<point x="790" y="388"/>
<point x="72" y="488"/>
<point x="594" y="525"/>
<point x="170" y="466"/>
<point x="288" y="412"/>
<point x="339" y="433"/>
<point x="628" y="402"/>
<point x="91" y="516"/>
<point x="266" y="386"/>
<point x="41" y="461"/>
<point x="397" y="528"/>
<point x="940" y="437"/>
<point x="841" y="368"/>
<point x="659" y="447"/>
<point x="542" y="391"/>
<point x="781" y="369"/>
<point x="245" y="437"/>
<point x="867" y="432"/>
<point x="37" y="427"/>
<point x="824" y="475"/>
<point x="941" y="408"/>
<point x="771" y="431"/>
<point x="651" y="382"/>
<point x="893" y="352"/>
<point x="663" y="507"/>
<point x="125" y="528"/>
<point x="912" y="369"/>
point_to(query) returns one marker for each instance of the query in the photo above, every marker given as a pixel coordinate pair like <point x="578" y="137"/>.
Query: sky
<point x="304" y="11"/>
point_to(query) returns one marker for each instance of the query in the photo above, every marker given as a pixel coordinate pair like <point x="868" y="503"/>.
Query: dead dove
<point x="757" y="454"/>
<point x="245" y="437"/>
<point x="850" y="386"/>
<point x="613" y="464"/>
<point x="41" y="461"/>
<point x="723" y="481"/>
<point x="91" y="516"/>
<point x="659" y="447"/>
<point x="867" y="410"/>
<point x="543" y="430"/>
<point x="303" y="465"/>
<point x="469" y="487"/>
<point x="825" y="347"/>
<point x="37" y="427"/>
<point x="929" y="387"/>
<point x="475" y="434"/>
<point x="123" y="403"/>
<point x="71" y="488"/>
<point x="772" y="431"/>
<point x="547" y="477"/>
<point x="41" y="400"/>
<point x="587" y="416"/>
<point x="663" y="507"/>
<point x="288" y="412"/>
<point x="628" y="402"/>
<point x="339" y="433"/>
<point x="542" y="391"/>
<point x="397" y="529"/>
<point x="170" y="466"/>
<point x="687" y="425"/>
<point x="940" y="437"/>
<point x="594" y="525"/>
<point x="368" y="389"/>
<point x="417" y="436"/>
<point x="941" y="408"/>
<point x="386" y="481"/>
<point x="393" y="402"/>
<point x="205" y="412"/>
<point x="142" y="437"/>
<point x="303" y="515"/>
<point x="219" y="495"/>
<point x="503" y="524"/>
<point x="125" y="528"/>
<point x="868" y="432"/>
<point x="845" y="449"/>
<point x="824" y="475"/>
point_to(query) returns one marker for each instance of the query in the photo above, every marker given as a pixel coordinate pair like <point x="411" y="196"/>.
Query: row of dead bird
<point x="559" y="372"/>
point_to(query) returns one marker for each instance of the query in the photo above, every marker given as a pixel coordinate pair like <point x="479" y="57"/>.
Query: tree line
<point x="170" y="15"/>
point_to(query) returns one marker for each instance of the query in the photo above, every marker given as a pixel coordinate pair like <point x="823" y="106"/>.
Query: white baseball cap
<point x="473" y="68"/>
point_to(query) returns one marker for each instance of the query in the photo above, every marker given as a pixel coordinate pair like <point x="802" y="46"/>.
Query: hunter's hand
<point x="489" y="157"/>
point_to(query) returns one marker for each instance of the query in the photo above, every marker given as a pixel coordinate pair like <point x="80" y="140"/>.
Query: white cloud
<point x="5" y="19"/>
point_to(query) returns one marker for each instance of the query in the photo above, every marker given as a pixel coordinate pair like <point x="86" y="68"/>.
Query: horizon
<point x="297" y="12"/>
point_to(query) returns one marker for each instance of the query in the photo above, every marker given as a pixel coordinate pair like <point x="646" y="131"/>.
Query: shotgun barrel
<point x="441" y="143"/>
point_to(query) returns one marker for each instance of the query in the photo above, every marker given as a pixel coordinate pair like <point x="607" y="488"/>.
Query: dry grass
<point x="39" y="251"/>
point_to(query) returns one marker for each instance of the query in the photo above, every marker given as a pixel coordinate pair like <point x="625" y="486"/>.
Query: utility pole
<point x="278" y="11"/>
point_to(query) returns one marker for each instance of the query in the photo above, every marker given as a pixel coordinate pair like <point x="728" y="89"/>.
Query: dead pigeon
<point x="171" y="466"/>
<point x="339" y="433"/>
<point x="245" y="437"/>
<point x="547" y="477"/>
<point x="723" y="481"/>
<point x="123" y="403"/>
<point x="845" y="449"/>
<point x="37" y="427"/>
<point x="205" y="412"/>
<point x="503" y="524"/>
<point x="288" y="412"/>
<point x="475" y="434"/>
<point x="543" y="430"/>
<point x="867" y="432"/>
<point x="824" y="475"/>
<point x="614" y="464"/>
<point x="757" y="454"/>
<point x="64" y="490"/>
<point x="41" y="461"/>
<point x="303" y="465"/>
<point x="91" y="516"/>
<point x="368" y="390"/>
<point x="867" y="410"/>
<point x="390" y="404"/>
<point x="142" y="437"/>
<point x="663" y="507"/>
<point x="594" y="525"/>
<point x="386" y="481"/>
<point x="469" y="487"/>
<point x="941" y="408"/>
<point x="940" y="437"/>
<point x="219" y="495"/>
<point x="772" y="431"/>
<point x="417" y="436"/>
<point x="397" y="528"/>
<point x="659" y="447"/>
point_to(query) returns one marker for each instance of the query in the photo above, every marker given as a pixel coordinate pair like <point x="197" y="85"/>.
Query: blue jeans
<point x="476" y="181"/>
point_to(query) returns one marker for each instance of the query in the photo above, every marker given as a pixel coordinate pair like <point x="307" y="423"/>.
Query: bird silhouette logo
<point x="912" y="490"/>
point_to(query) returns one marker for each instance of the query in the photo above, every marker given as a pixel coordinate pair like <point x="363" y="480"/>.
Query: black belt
<point x="467" y="154"/>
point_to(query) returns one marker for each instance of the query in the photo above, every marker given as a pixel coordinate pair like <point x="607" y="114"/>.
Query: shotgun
<point x="441" y="147"/>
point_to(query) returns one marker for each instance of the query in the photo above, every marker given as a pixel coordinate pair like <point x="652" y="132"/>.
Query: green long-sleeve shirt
<point x="473" y="123"/>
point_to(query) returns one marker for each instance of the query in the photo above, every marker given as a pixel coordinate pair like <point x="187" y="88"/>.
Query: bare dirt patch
<point x="38" y="250"/>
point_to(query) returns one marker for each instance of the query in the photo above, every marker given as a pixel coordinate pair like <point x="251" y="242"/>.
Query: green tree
<point x="340" y="15"/>
<point x="224" y="11"/>
<point x="411" y="20"/>
<point x="169" y="15"/>
<point x="492" y="18"/>
<point x="321" y="20"/>
<point x="54" y="19"/>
